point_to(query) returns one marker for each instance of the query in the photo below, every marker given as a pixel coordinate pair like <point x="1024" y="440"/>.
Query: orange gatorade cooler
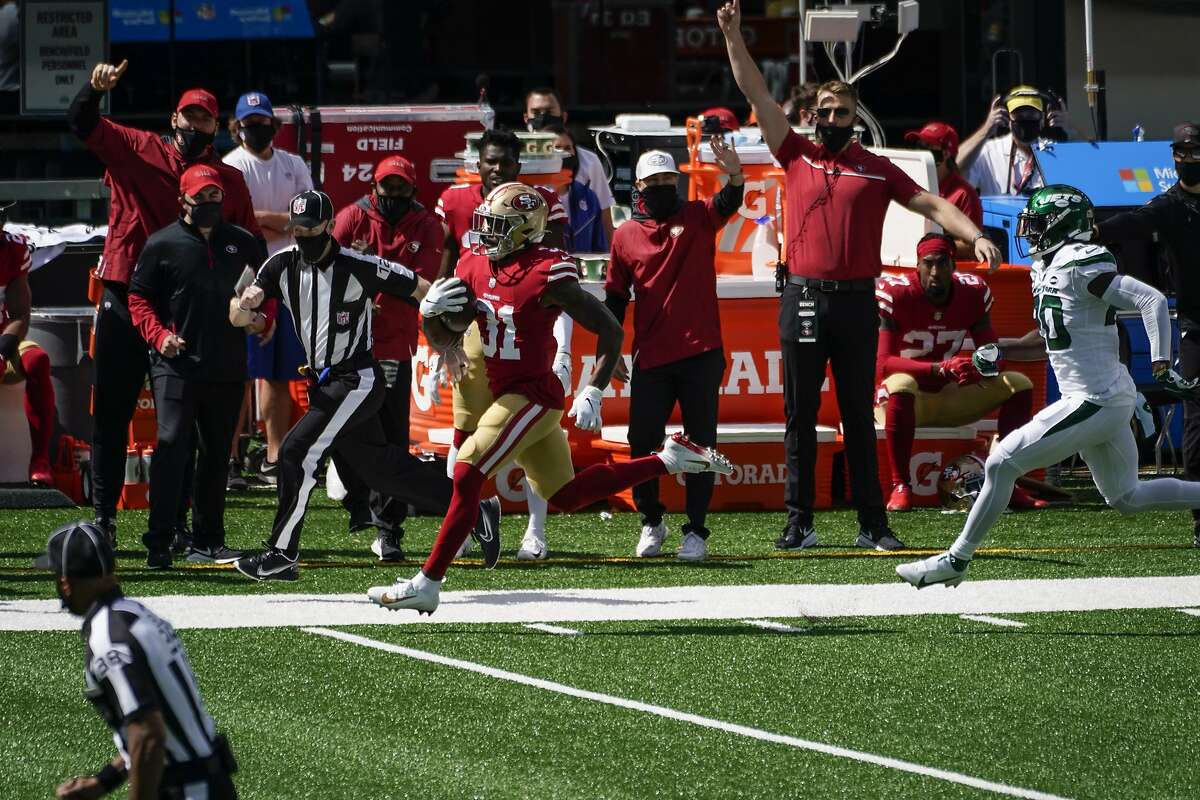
<point x="933" y="449"/>
<point x="541" y="164"/>
<point x="136" y="492"/>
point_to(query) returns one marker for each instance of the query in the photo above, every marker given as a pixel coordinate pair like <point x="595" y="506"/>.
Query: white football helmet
<point x="960" y="483"/>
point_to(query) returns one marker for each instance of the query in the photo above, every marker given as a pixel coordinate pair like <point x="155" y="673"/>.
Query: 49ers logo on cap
<point x="657" y="160"/>
<point x="299" y="205"/>
<point x="525" y="202"/>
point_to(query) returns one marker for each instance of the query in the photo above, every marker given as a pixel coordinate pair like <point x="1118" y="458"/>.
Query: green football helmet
<point x="1054" y="215"/>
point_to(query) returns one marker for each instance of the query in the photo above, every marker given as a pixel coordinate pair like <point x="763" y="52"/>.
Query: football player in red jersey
<point x="521" y="287"/>
<point x="925" y="378"/>
<point x="499" y="162"/>
<point x="24" y="359"/>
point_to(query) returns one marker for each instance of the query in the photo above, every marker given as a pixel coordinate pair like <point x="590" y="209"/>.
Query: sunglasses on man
<point x="829" y="113"/>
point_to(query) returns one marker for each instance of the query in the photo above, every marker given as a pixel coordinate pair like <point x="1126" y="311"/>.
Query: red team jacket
<point x="416" y="241"/>
<point x="926" y="334"/>
<point x="517" y="330"/>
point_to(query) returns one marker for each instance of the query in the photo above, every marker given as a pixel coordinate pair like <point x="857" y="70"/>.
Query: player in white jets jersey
<point x="1076" y="293"/>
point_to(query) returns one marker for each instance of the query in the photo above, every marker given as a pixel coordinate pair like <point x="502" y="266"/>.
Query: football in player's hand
<point x="456" y="322"/>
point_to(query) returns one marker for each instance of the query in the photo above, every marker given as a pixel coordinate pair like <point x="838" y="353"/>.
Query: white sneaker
<point x="418" y="592"/>
<point x="650" y="543"/>
<point x="533" y="546"/>
<point x="693" y="548"/>
<point x="942" y="568"/>
<point x="681" y="454"/>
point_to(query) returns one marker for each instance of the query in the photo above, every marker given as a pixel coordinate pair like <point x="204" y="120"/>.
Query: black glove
<point x="1176" y="385"/>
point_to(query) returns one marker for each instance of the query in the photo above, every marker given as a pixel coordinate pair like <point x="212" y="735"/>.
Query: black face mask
<point x="193" y="143"/>
<point x="660" y="201"/>
<point x="571" y="163"/>
<point x="1026" y="130"/>
<point x="1188" y="171"/>
<point x="541" y="121"/>
<point x="258" y="137"/>
<point x="205" y="215"/>
<point x="313" y="247"/>
<point x="833" y="137"/>
<point x="393" y="208"/>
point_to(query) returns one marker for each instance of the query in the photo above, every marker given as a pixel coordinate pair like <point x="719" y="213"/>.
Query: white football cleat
<point x="533" y="546"/>
<point x="650" y="543"/>
<point x="692" y="548"/>
<point x="942" y="568"/>
<point x="681" y="454"/>
<point x="418" y="593"/>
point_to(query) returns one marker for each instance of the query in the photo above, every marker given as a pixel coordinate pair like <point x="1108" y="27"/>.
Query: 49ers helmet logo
<point x="525" y="202"/>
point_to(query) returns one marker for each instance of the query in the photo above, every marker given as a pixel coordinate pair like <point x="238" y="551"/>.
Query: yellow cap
<point x="1024" y="97"/>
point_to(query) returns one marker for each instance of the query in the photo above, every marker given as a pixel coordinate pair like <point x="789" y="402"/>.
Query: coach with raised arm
<point x="137" y="675"/>
<point x="837" y="196"/>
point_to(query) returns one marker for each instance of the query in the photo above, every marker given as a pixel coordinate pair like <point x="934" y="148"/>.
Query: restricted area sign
<point x="61" y="40"/>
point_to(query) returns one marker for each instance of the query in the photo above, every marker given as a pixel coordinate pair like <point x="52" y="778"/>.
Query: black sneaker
<point x="797" y="539"/>
<point x="182" y="540"/>
<point x="269" y="565"/>
<point x="218" y="554"/>
<point x="268" y="472"/>
<point x="236" y="482"/>
<point x="387" y="547"/>
<point x="109" y="526"/>
<point x="487" y="531"/>
<point x="883" y="539"/>
<point x="158" y="559"/>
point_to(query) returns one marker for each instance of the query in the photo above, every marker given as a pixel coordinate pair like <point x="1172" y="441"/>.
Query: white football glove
<point x="446" y="294"/>
<point x="586" y="410"/>
<point x="562" y="370"/>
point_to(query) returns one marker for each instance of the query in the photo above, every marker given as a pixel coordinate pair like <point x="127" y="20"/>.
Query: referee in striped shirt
<point x="138" y="677"/>
<point x="329" y="291"/>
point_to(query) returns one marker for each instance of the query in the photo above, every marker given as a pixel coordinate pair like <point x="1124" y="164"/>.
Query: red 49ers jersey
<point x="517" y="330"/>
<point x="927" y="332"/>
<point x="15" y="261"/>
<point x="458" y="203"/>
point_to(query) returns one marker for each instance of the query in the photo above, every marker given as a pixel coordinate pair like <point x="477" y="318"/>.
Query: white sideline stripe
<point x="538" y="626"/>
<point x="990" y="620"/>
<point x="1195" y="612"/>
<point x="694" y="719"/>
<point x="772" y="625"/>
<point x="555" y="606"/>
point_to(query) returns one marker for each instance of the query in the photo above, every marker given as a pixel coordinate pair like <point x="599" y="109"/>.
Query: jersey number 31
<point x="501" y="333"/>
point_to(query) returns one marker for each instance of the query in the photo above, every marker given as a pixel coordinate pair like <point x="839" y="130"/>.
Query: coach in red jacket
<point x="389" y="222"/>
<point x="142" y="171"/>
<point x="666" y="255"/>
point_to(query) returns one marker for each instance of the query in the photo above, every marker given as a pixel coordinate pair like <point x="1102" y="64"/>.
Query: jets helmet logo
<point x="525" y="202"/>
<point x="299" y="205"/>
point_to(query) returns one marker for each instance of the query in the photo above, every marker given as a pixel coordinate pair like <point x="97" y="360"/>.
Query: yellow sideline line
<point x="603" y="560"/>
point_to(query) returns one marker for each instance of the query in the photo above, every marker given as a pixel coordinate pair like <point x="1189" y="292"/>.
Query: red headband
<point x="934" y="246"/>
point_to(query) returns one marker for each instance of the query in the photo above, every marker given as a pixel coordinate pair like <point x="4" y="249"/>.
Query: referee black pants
<point x="343" y="416"/>
<point x="1189" y="365"/>
<point x="369" y="509"/>
<point x="193" y="416"/>
<point x="694" y="383"/>
<point x="121" y="361"/>
<point x="847" y="337"/>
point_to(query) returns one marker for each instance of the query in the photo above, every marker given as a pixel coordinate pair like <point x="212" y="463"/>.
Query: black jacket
<point x="1175" y="216"/>
<point x="188" y="281"/>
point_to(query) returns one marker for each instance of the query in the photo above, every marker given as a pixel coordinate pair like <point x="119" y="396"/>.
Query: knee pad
<point x="901" y="383"/>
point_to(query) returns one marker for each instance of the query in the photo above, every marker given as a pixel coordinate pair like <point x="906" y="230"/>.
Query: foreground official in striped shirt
<point x="138" y="677"/>
<point x="330" y="292"/>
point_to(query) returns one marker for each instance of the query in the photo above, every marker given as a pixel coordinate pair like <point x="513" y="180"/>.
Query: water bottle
<point x="1139" y="133"/>
<point x="763" y="252"/>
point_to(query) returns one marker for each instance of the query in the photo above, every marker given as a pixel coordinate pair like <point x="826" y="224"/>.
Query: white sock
<point x="420" y="581"/>
<point x="538" y="509"/>
<point x="451" y="460"/>
<point x="1000" y="476"/>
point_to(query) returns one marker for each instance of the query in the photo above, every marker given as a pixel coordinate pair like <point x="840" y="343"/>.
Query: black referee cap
<point x="78" y="549"/>
<point x="309" y="209"/>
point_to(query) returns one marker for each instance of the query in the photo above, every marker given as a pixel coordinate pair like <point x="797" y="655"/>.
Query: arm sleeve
<point x="888" y="362"/>
<point x="727" y="201"/>
<point x="563" y="327"/>
<point x="269" y="275"/>
<point x="83" y="115"/>
<point x="1132" y="295"/>
<point x="381" y="275"/>
<point x="617" y="282"/>
<point x="1138" y="224"/>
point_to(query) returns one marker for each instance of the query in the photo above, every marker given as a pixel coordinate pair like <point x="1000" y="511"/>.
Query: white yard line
<point x="693" y="719"/>
<point x="539" y="626"/>
<point x="772" y="625"/>
<point x="524" y="606"/>
<point x="1195" y="612"/>
<point x="990" y="620"/>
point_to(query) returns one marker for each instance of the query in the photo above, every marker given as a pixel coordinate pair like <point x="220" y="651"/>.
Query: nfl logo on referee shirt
<point x="343" y="318"/>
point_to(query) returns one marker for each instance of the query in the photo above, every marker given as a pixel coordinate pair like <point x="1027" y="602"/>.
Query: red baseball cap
<point x="936" y="136"/>
<point x="197" y="177"/>
<point x="396" y="165"/>
<point x="198" y="97"/>
<point x="729" y="120"/>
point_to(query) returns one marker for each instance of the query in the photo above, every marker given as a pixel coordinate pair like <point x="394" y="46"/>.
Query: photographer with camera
<point x="998" y="158"/>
